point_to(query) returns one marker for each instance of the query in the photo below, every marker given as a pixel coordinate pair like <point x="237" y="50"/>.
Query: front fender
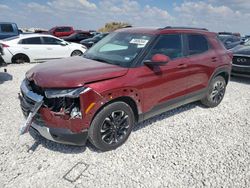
<point x="92" y="101"/>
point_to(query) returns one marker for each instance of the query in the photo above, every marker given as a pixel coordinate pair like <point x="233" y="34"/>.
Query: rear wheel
<point x="112" y="126"/>
<point x="20" y="58"/>
<point x="215" y="93"/>
<point x="76" y="53"/>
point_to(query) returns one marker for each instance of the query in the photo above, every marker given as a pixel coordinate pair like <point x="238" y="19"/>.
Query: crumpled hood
<point x="241" y="49"/>
<point x="72" y="72"/>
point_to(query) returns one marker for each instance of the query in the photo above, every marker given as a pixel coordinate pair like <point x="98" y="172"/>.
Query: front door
<point x="54" y="48"/>
<point x="161" y="84"/>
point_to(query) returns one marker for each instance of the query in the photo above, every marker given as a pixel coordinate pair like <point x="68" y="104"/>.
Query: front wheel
<point x="111" y="126"/>
<point x="76" y="53"/>
<point x="215" y="93"/>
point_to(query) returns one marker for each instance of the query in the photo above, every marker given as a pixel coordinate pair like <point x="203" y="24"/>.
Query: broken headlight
<point x="70" y="93"/>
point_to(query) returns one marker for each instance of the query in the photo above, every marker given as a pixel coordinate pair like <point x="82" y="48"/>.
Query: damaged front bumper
<point x="29" y="100"/>
<point x="61" y="135"/>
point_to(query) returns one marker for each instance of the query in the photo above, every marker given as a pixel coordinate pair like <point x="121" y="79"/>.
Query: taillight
<point x="5" y="46"/>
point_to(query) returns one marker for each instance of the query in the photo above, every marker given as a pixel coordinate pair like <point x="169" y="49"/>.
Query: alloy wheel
<point x="115" y="127"/>
<point x="76" y="53"/>
<point x="218" y="92"/>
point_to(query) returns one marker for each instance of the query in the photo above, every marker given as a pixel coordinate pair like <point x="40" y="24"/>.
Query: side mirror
<point x="242" y="42"/>
<point x="63" y="43"/>
<point x="158" y="59"/>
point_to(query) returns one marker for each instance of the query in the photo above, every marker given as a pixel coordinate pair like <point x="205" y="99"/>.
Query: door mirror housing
<point x="158" y="60"/>
<point x="63" y="43"/>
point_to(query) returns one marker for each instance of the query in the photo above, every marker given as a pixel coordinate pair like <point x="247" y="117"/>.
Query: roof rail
<point x="170" y="27"/>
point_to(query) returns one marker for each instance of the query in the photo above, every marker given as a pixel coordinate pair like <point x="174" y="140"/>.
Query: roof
<point x="155" y="30"/>
<point x="35" y="35"/>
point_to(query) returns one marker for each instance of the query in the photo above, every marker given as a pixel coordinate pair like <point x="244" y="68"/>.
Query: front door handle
<point x="182" y="66"/>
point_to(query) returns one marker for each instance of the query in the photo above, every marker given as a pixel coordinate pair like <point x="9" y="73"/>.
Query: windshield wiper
<point x="100" y="60"/>
<point x="105" y="61"/>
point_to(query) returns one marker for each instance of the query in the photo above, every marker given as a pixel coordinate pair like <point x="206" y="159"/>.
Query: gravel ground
<point x="188" y="147"/>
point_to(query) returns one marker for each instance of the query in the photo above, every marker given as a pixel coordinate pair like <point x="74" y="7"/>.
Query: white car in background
<point x="37" y="48"/>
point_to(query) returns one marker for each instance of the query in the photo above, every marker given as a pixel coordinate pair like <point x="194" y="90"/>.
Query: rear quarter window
<point x="197" y="44"/>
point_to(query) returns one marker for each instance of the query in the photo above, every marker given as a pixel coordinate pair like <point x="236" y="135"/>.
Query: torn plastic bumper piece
<point x="61" y="135"/>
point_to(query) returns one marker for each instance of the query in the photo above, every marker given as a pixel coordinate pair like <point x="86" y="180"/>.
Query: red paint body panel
<point x="62" y="33"/>
<point x="147" y="86"/>
<point x="72" y="72"/>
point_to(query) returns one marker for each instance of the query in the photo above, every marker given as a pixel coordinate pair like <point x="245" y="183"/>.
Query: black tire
<point x="76" y="53"/>
<point x="216" y="92"/>
<point x="20" y="58"/>
<point x="112" y="126"/>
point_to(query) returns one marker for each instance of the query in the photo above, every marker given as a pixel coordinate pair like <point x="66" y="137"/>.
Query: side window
<point x="82" y="35"/>
<point x="197" y="44"/>
<point x="66" y="29"/>
<point x="169" y="45"/>
<point x="34" y="40"/>
<point x="51" y="41"/>
<point x="6" y="28"/>
<point x="59" y="29"/>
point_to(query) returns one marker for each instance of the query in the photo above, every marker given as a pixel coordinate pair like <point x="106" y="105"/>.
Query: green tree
<point x="112" y="26"/>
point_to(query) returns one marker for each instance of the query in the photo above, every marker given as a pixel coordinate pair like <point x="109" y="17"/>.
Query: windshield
<point x="118" y="48"/>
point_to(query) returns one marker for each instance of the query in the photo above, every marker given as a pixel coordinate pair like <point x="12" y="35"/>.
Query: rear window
<point x="34" y="40"/>
<point x="6" y="28"/>
<point x="197" y="44"/>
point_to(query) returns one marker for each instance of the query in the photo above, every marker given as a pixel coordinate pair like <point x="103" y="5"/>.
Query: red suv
<point x="61" y="31"/>
<point x="129" y="76"/>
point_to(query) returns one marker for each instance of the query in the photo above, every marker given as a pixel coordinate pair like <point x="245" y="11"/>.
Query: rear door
<point x="201" y="58"/>
<point x="54" y="48"/>
<point x="32" y="48"/>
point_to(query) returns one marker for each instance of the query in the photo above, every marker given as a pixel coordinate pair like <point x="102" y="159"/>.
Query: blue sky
<point x="216" y="15"/>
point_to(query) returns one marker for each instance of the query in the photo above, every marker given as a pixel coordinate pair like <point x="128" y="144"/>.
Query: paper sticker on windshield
<point x="139" y="42"/>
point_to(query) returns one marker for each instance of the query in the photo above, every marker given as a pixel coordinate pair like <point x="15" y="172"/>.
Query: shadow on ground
<point x="166" y="115"/>
<point x="67" y="149"/>
<point x="4" y="76"/>
<point x="242" y="80"/>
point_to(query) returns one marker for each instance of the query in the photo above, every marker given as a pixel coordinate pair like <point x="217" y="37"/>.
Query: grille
<point x="27" y="105"/>
<point x="239" y="60"/>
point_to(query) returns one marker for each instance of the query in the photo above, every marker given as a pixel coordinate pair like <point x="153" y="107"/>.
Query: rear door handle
<point x="182" y="66"/>
<point x="49" y="48"/>
<point x="25" y="48"/>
